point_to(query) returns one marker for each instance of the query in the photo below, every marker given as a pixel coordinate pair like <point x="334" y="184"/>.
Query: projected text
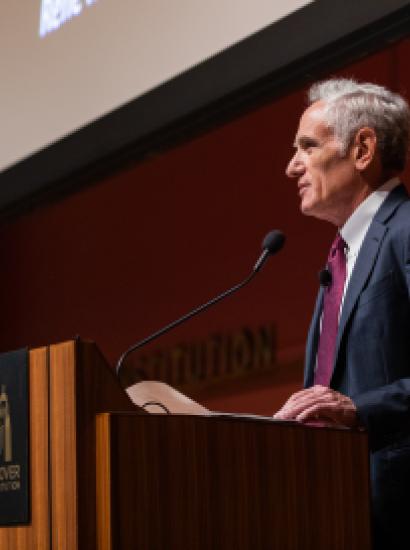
<point x="55" y="13"/>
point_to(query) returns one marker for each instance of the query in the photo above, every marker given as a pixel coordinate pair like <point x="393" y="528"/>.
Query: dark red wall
<point x="117" y="260"/>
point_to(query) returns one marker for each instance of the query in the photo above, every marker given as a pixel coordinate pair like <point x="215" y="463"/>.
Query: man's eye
<point x="309" y="145"/>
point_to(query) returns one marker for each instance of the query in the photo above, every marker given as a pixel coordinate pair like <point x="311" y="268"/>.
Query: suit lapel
<point x="367" y="257"/>
<point x="362" y="269"/>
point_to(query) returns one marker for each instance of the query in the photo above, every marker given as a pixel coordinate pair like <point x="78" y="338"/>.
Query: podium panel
<point x="178" y="481"/>
<point x="69" y="383"/>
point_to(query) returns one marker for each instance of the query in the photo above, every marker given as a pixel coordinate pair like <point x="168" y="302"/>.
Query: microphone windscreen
<point x="273" y="241"/>
<point x="325" y="277"/>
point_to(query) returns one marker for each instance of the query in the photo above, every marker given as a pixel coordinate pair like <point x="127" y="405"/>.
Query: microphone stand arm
<point x="182" y="319"/>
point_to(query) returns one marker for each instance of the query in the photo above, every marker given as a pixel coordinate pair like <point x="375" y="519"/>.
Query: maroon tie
<point x="331" y="307"/>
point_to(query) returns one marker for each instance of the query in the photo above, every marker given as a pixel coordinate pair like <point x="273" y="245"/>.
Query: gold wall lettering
<point x="218" y="357"/>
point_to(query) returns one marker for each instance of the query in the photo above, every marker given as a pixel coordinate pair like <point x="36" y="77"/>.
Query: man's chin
<point x="309" y="209"/>
<point x="306" y="208"/>
<point x="319" y="214"/>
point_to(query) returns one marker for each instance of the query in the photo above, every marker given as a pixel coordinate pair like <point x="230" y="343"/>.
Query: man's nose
<point x="295" y="167"/>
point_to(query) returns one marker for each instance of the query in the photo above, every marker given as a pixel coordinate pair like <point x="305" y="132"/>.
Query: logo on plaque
<point x="6" y="449"/>
<point x="9" y="473"/>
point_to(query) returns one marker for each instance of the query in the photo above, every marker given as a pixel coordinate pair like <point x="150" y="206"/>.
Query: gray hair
<point x="351" y="105"/>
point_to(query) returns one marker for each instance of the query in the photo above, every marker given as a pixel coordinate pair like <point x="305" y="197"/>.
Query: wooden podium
<point x="107" y="476"/>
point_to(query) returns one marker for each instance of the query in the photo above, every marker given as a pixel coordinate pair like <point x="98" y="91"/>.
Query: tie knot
<point x="338" y="245"/>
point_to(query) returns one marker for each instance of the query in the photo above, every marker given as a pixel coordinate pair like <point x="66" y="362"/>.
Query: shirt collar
<point x="356" y="226"/>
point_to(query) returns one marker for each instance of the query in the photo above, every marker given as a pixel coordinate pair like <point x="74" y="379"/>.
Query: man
<point x="351" y="146"/>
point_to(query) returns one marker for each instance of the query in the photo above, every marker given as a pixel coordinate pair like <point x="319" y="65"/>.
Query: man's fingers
<point x="341" y="413"/>
<point x="305" y="400"/>
<point x="319" y="402"/>
<point x="325" y="410"/>
<point x="302" y="394"/>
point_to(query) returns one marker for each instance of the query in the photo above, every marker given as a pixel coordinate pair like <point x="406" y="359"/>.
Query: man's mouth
<point x="302" y="187"/>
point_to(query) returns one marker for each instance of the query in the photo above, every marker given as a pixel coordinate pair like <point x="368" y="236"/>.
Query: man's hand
<point x="319" y="403"/>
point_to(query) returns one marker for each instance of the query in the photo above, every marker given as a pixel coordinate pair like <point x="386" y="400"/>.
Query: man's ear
<point x="365" y="144"/>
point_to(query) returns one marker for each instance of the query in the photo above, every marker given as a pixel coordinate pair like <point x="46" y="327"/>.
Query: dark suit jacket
<point x="372" y="361"/>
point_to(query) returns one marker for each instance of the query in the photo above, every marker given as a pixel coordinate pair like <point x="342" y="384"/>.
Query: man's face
<point x="327" y="182"/>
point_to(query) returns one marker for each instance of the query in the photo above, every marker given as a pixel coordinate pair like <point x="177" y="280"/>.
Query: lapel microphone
<point x="325" y="277"/>
<point x="272" y="243"/>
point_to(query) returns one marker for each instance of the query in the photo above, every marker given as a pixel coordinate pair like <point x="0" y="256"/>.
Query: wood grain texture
<point x="207" y="482"/>
<point x="63" y="436"/>
<point x="97" y="390"/>
<point x="81" y="385"/>
<point x="103" y="474"/>
<point x="35" y="536"/>
<point x="39" y="449"/>
<point x="69" y="384"/>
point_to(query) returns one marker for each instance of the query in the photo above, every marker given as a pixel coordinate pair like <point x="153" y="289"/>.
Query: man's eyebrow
<point x="305" y="141"/>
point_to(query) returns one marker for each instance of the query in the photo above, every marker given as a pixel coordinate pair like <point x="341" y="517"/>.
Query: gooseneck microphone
<point x="271" y="244"/>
